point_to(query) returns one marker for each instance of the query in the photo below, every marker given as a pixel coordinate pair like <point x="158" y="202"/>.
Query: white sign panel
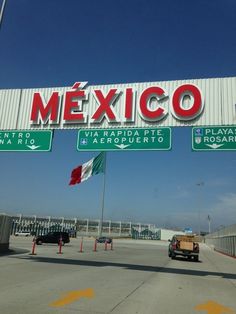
<point x="141" y="105"/>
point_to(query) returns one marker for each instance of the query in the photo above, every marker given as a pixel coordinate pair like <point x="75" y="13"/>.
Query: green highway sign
<point x="25" y="141"/>
<point x="124" y="139"/>
<point x="217" y="138"/>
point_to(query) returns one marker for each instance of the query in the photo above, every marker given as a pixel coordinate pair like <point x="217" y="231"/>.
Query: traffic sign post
<point x="25" y="141"/>
<point x="217" y="138"/>
<point x="124" y="139"/>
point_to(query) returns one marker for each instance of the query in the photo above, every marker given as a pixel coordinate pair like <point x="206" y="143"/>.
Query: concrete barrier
<point x="223" y="240"/>
<point x="5" y="231"/>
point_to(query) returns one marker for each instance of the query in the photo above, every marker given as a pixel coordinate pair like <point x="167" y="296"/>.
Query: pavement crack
<point x="139" y="286"/>
<point x="133" y="291"/>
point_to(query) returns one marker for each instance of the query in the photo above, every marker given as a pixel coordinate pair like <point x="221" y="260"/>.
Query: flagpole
<point x="209" y="224"/>
<point x="103" y="195"/>
<point x="2" y="10"/>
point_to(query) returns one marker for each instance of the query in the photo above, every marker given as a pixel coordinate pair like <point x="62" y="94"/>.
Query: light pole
<point x="199" y="184"/>
<point x="209" y="223"/>
<point x="1" y="11"/>
<point x="103" y="197"/>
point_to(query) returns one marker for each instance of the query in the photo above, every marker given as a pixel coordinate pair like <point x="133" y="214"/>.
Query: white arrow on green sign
<point x="217" y="138"/>
<point x="22" y="141"/>
<point x="124" y="139"/>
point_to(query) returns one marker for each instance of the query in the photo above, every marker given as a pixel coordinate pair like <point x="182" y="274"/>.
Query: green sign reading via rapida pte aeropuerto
<point x="124" y="139"/>
<point x="22" y="141"/>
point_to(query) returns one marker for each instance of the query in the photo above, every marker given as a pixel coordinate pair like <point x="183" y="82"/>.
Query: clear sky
<point x="47" y="43"/>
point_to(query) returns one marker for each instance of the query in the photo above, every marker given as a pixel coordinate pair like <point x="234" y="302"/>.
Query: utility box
<point x="5" y="231"/>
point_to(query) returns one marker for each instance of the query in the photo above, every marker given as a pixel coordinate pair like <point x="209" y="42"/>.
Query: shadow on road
<point x="200" y="273"/>
<point x="184" y="259"/>
<point x="14" y="251"/>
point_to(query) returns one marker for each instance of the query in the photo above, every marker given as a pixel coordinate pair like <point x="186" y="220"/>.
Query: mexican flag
<point x="88" y="169"/>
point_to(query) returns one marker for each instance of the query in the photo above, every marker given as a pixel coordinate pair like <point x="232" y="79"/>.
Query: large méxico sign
<point x="136" y="105"/>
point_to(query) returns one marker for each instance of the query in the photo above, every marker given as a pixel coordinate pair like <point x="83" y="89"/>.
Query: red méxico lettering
<point x="145" y="111"/>
<point x="148" y="104"/>
<point x="73" y="102"/>
<point x="44" y="112"/>
<point x="196" y="103"/>
<point x="105" y="103"/>
<point x="129" y="105"/>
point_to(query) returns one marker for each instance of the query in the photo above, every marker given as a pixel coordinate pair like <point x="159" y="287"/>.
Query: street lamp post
<point x="1" y="11"/>
<point x="199" y="184"/>
<point x="209" y="224"/>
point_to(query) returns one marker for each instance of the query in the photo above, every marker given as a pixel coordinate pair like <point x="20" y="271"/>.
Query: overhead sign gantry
<point x="140" y="106"/>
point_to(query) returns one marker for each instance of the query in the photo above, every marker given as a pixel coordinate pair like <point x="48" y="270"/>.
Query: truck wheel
<point x="173" y="256"/>
<point x="196" y="258"/>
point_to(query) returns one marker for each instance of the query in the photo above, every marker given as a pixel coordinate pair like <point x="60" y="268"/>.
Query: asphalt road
<point x="135" y="277"/>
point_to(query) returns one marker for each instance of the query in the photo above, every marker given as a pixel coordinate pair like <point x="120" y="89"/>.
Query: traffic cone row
<point x="60" y="246"/>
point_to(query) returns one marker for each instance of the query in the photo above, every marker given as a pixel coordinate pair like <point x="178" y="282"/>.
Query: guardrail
<point x="223" y="240"/>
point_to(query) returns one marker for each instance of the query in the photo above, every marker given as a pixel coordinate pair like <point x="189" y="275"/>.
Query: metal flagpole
<point x="2" y="10"/>
<point x="103" y="195"/>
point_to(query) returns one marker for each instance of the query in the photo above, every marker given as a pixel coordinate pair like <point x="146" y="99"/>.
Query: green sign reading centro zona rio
<point x="22" y="141"/>
<point x="214" y="138"/>
<point x="124" y="139"/>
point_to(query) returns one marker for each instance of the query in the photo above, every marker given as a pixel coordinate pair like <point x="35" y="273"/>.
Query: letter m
<point x="43" y="112"/>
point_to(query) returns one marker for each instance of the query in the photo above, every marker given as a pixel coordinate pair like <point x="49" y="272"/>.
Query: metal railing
<point x="75" y="226"/>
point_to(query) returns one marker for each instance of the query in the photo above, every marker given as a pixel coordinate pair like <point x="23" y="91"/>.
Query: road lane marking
<point x="73" y="296"/>
<point x="212" y="307"/>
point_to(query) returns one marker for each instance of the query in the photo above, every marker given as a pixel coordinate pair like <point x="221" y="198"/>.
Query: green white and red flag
<point x="90" y="168"/>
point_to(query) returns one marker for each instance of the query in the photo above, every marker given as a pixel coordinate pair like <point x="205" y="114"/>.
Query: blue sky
<point x="57" y="42"/>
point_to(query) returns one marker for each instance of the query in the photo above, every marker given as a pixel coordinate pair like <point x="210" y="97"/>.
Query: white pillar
<point x="49" y="221"/>
<point x="87" y="227"/>
<point x="120" y="230"/>
<point x="62" y="221"/>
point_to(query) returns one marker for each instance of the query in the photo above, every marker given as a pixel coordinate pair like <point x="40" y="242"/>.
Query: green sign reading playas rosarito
<point x="214" y="138"/>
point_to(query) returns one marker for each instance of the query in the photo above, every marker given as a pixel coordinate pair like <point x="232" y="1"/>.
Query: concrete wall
<point x="5" y="231"/>
<point x="223" y="240"/>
